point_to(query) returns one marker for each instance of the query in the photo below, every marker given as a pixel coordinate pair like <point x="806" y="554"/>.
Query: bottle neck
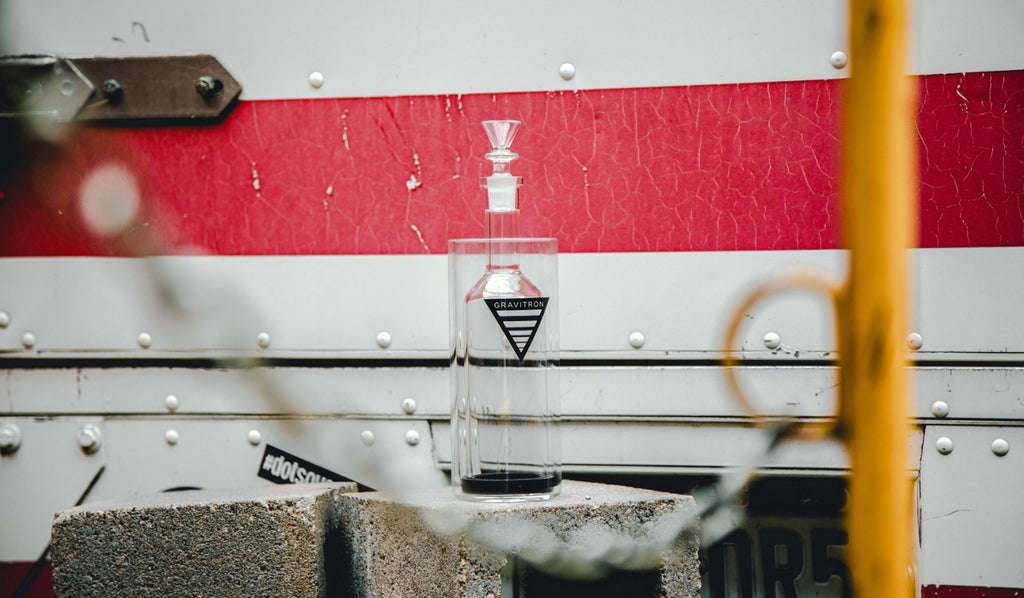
<point x="502" y="225"/>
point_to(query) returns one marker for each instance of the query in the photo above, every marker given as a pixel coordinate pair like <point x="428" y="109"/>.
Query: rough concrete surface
<point x="433" y="545"/>
<point x="255" y="542"/>
<point x="328" y="541"/>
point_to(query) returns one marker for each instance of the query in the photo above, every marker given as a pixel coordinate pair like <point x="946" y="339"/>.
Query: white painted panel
<point x="208" y="306"/>
<point x="414" y="47"/>
<point x="6" y="400"/>
<point x="654" y="446"/>
<point x="641" y="391"/>
<point x="335" y="306"/>
<point x="969" y="300"/>
<point x="417" y="47"/>
<point x="681" y="303"/>
<point x="971" y="530"/>
<point x="289" y="391"/>
<point x="971" y="393"/>
<point x="955" y="36"/>
<point x="618" y="392"/>
<point x="48" y="473"/>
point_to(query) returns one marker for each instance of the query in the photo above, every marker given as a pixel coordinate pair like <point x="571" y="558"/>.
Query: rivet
<point x="367" y="437"/>
<point x="914" y="341"/>
<point x="944" y="445"/>
<point x="412" y="437"/>
<point x="171" y="402"/>
<point x="145" y="340"/>
<point x="409" y="405"/>
<point x="10" y="438"/>
<point x="263" y="340"/>
<point x="772" y="340"/>
<point x="254" y="437"/>
<point x="586" y="497"/>
<point x="171" y="436"/>
<point x="940" y="409"/>
<point x="567" y="70"/>
<point x="384" y="339"/>
<point x="637" y="339"/>
<point x="28" y="340"/>
<point x="5" y="319"/>
<point x="89" y="438"/>
<point x="1000" y="447"/>
<point x="839" y="59"/>
<point x="316" y="80"/>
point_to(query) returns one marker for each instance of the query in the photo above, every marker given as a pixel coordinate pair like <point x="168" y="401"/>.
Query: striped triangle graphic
<point x="519" y="319"/>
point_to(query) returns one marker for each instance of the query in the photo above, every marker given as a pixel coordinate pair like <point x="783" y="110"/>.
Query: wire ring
<point x="797" y="279"/>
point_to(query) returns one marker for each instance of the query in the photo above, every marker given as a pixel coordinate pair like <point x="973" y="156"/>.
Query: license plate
<point x="791" y="545"/>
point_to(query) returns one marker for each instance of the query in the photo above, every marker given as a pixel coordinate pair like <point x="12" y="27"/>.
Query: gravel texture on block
<point x="253" y="542"/>
<point x="328" y="541"/>
<point x="431" y="544"/>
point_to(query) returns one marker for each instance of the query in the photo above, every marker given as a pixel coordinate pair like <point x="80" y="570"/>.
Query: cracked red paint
<point x="726" y="167"/>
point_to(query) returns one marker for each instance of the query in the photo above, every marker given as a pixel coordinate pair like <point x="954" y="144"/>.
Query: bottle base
<point x="510" y="486"/>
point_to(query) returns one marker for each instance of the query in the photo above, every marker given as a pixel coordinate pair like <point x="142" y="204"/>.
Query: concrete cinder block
<point x="254" y="542"/>
<point x="327" y="541"/>
<point x="594" y="540"/>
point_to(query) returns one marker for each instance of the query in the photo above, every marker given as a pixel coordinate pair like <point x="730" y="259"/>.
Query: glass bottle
<point x="506" y="391"/>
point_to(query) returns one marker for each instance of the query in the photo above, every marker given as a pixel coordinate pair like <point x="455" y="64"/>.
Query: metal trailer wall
<point x="682" y="152"/>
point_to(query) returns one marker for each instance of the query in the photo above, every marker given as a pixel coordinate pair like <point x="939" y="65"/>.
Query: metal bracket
<point x="42" y="86"/>
<point x="153" y="89"/>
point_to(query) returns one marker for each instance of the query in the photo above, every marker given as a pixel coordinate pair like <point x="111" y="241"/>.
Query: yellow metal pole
<point x="879" y="210"/>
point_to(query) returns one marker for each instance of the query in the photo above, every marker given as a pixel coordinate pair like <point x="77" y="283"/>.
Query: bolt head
<point x="208" y="86"/>
<point x="316" y="80"/>
<point x="567" y="71"/>
<point x="383" y="339"/>
<point x="940" y="409"/>
<point x="5" y="319"/>
<point x="254" y="437"/>
<point x="409" y="405"/>
<point x="171" y="402"/>
<point x="112" y="90"/>
<point x="412" y="437"/>
<point x="367" y="437"/>
<point x="28" y="340"/>
<point x="89" y="438"/>
<point x="944" y="445"/>
<point x="637" y="339"/>
<point x="145" y="340"/>
<point x="171" y="436"/>
<point x="839" y="59"/>
<point x="1000" y="447"/>
<point x="10" y="438"/>
<point x="772" y="340"/>
<point x="914" y="341"/>
<point x="263" y="340"/>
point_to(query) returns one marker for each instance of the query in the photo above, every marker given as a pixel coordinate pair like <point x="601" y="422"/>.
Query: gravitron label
<point x="519" y="319"/>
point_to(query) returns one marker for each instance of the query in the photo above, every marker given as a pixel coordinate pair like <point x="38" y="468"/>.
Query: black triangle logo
<point x="519" y="319"/>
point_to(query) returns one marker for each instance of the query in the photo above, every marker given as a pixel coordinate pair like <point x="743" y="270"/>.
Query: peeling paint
<point x="419" y="236"/>
<point x="255" y="179"/>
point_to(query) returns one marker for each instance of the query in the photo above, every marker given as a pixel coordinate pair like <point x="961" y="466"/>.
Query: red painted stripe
<point x="727" y="167"/>
<point x="970" y="592"/>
